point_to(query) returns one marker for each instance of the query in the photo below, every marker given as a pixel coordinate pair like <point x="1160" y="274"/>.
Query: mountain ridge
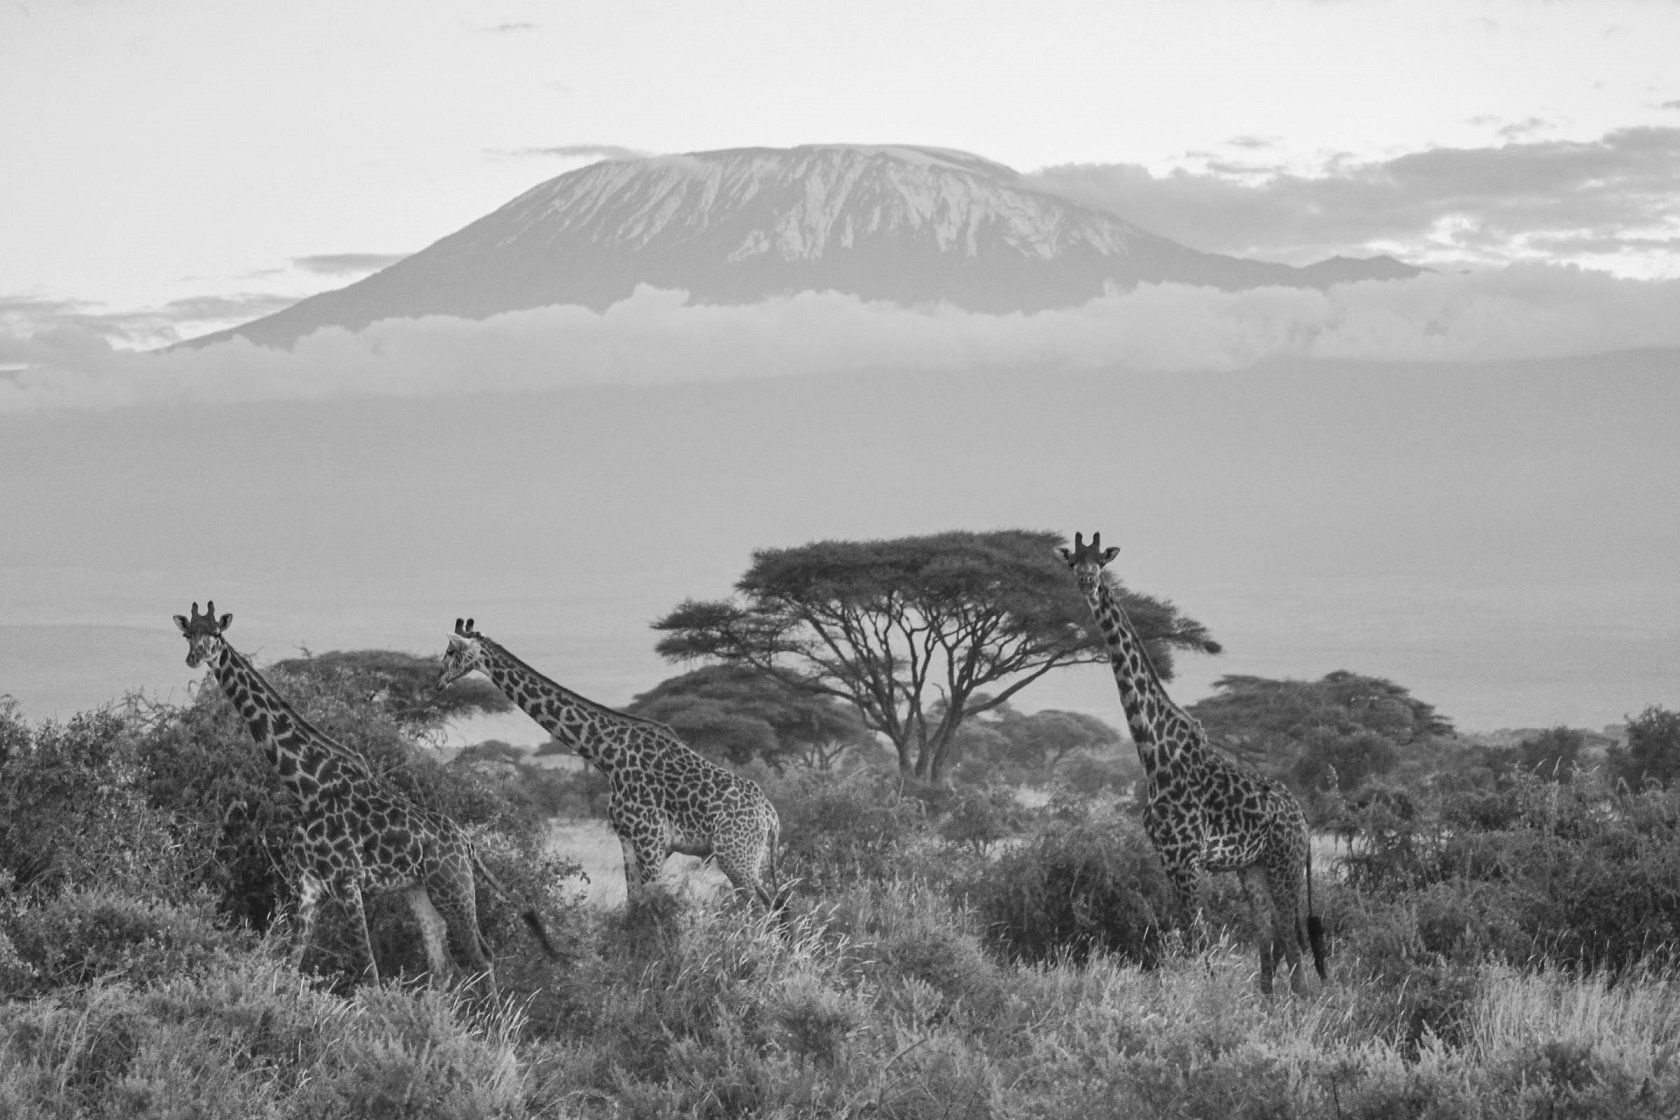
<point x="902" y="224"/>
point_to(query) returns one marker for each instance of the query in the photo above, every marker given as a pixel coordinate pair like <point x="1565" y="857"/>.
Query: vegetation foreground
<point x="1500" y="947"/>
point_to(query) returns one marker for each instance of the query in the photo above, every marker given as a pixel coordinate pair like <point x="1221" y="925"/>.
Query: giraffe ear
<point x="1067" y="557"/>
<point x="1109" y="554"/>
<point x="181" y="623"/>
<point x="227" y="620"/>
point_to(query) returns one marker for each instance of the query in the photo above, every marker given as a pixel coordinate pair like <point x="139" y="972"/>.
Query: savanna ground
<point x="1498" y="951"/>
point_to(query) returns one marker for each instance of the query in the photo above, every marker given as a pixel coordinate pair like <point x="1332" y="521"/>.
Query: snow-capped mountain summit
<point x="909" y="225"/>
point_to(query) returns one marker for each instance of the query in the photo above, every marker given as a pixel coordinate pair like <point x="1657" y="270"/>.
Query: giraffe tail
<point x="529" y="915"/>
<point x="1315" y="924"/>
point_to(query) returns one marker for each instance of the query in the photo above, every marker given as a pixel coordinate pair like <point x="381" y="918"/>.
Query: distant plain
<point x="1498" y="538"/>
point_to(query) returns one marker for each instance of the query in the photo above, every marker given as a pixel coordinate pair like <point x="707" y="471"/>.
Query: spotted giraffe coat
<point x="665" y="798"/>
<point x="356" y="834"/>
<point x="1203" y="812"/>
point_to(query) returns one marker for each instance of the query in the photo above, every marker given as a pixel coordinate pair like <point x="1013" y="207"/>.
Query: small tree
<point x="1652" y="753"/>
<point x="1302" y="729"/>
<point x="403" y="685"/>
<point x="737" y="714"/>
<point x="894" y="626"/>
<point x="1552" y="754"/>
<point x="1036" y="742"/>
<point x="1045" y="738"/>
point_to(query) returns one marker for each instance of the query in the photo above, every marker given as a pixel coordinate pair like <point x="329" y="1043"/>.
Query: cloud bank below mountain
<point x="657" y="337"/>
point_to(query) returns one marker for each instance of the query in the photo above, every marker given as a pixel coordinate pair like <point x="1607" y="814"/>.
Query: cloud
<point x="1609" y="200"/>
<point x="343" y="264"/>
<point x="575" y="151"/>
<point x="23" y="316"/>
<point x="656" y="337"/>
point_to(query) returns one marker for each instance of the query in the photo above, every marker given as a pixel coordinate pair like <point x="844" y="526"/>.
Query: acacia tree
<point x="909" y="630"/>
<point x="738" y="713"/>
<point x="1351" y="723"/>
<point x="1034" y="742"/>
<point x="1652" y="753"/>
<point x="404" y="685"/>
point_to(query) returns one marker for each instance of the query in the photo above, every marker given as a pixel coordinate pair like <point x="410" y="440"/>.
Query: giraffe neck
<point x="303" y="756"/>
<point x="1161" y="729"/>
<point x="594" y="731"/>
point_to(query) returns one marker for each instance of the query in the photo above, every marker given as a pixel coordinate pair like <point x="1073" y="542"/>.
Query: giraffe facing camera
<point x="357" y="835"/>
<point x="200" y="630"/>
<point x="1203" y="812"/>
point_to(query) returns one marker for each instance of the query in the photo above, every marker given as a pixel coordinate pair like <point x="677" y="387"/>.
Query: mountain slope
<point x="899" y="224"/>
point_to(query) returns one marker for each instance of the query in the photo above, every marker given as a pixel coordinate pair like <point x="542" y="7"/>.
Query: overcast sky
<point x="172" y="165"/>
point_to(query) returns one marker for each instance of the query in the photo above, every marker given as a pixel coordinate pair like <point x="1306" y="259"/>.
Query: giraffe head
<point x="203" y="632"/>
<point x="1087" y="560"/>
<point x="465" y="653"/>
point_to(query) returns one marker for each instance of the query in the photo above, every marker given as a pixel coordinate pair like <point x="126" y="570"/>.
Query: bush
<point x="71" y="813"/>
<point x="838" y="829"/>
<point x="978" y="818"/>
<point x="1086" y="775"/>
<point x="100" y="934"/>
<point x="1534" y="870"/>
<point x="1652" y="753"/>
<point x="1086" y="881"/>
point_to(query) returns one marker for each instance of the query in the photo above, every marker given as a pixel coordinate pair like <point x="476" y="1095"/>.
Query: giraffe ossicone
<point x="1203" y="812"/>
<point x="666" y="797"/>
<point x="357" y="835"/>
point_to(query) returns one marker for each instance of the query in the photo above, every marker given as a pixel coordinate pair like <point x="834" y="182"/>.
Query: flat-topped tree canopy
<point x="892" y="626"/>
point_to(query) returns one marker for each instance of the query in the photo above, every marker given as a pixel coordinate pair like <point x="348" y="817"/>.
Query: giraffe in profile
<point x="357" y="835"/>
<point x="665" y="797"/>
<point x="1203" y="812"/>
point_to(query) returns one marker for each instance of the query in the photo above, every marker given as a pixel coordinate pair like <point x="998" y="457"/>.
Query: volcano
<point x="906" y="225"/>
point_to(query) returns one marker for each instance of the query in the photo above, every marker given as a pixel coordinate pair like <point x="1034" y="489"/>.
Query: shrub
<point x="1086" y="775"/>
<point x="1652" y="753"/>
<point x="1087" y="880"/>
<point x="83" y="935"/>
<point x="978" y="818"/>
<point x="838" y="829"/>
<point x="70" y="812"/>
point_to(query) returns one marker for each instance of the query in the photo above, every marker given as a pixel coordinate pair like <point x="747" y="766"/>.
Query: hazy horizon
<point x="1464" y="480"/>
<point x="1497" y="538"/>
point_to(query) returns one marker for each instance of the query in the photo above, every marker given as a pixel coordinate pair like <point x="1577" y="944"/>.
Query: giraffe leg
<point x="310" y="890"/>
<point x="645" y="850"/>
<point x="456" y="896"/>
<point x="351" y="893"/>
<point x="1186" y="879"/>
<point x="744" y="874"/>
<point x="632" y="867"/>
<point x="1283" y="876"/>
<point x="433" y="931"/>
<point x="1260" y="905"/>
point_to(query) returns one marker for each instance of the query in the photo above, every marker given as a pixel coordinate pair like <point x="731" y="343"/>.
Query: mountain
<point x="900" y="224"/>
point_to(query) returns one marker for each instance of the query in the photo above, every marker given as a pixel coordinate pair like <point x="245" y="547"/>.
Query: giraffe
<point x="1203" y="812"/>
<point x="356" y="834"/>
<point x="665" y="796"/>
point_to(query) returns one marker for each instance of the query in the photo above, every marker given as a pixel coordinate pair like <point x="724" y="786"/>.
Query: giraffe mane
<point x="577" y="697"/>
